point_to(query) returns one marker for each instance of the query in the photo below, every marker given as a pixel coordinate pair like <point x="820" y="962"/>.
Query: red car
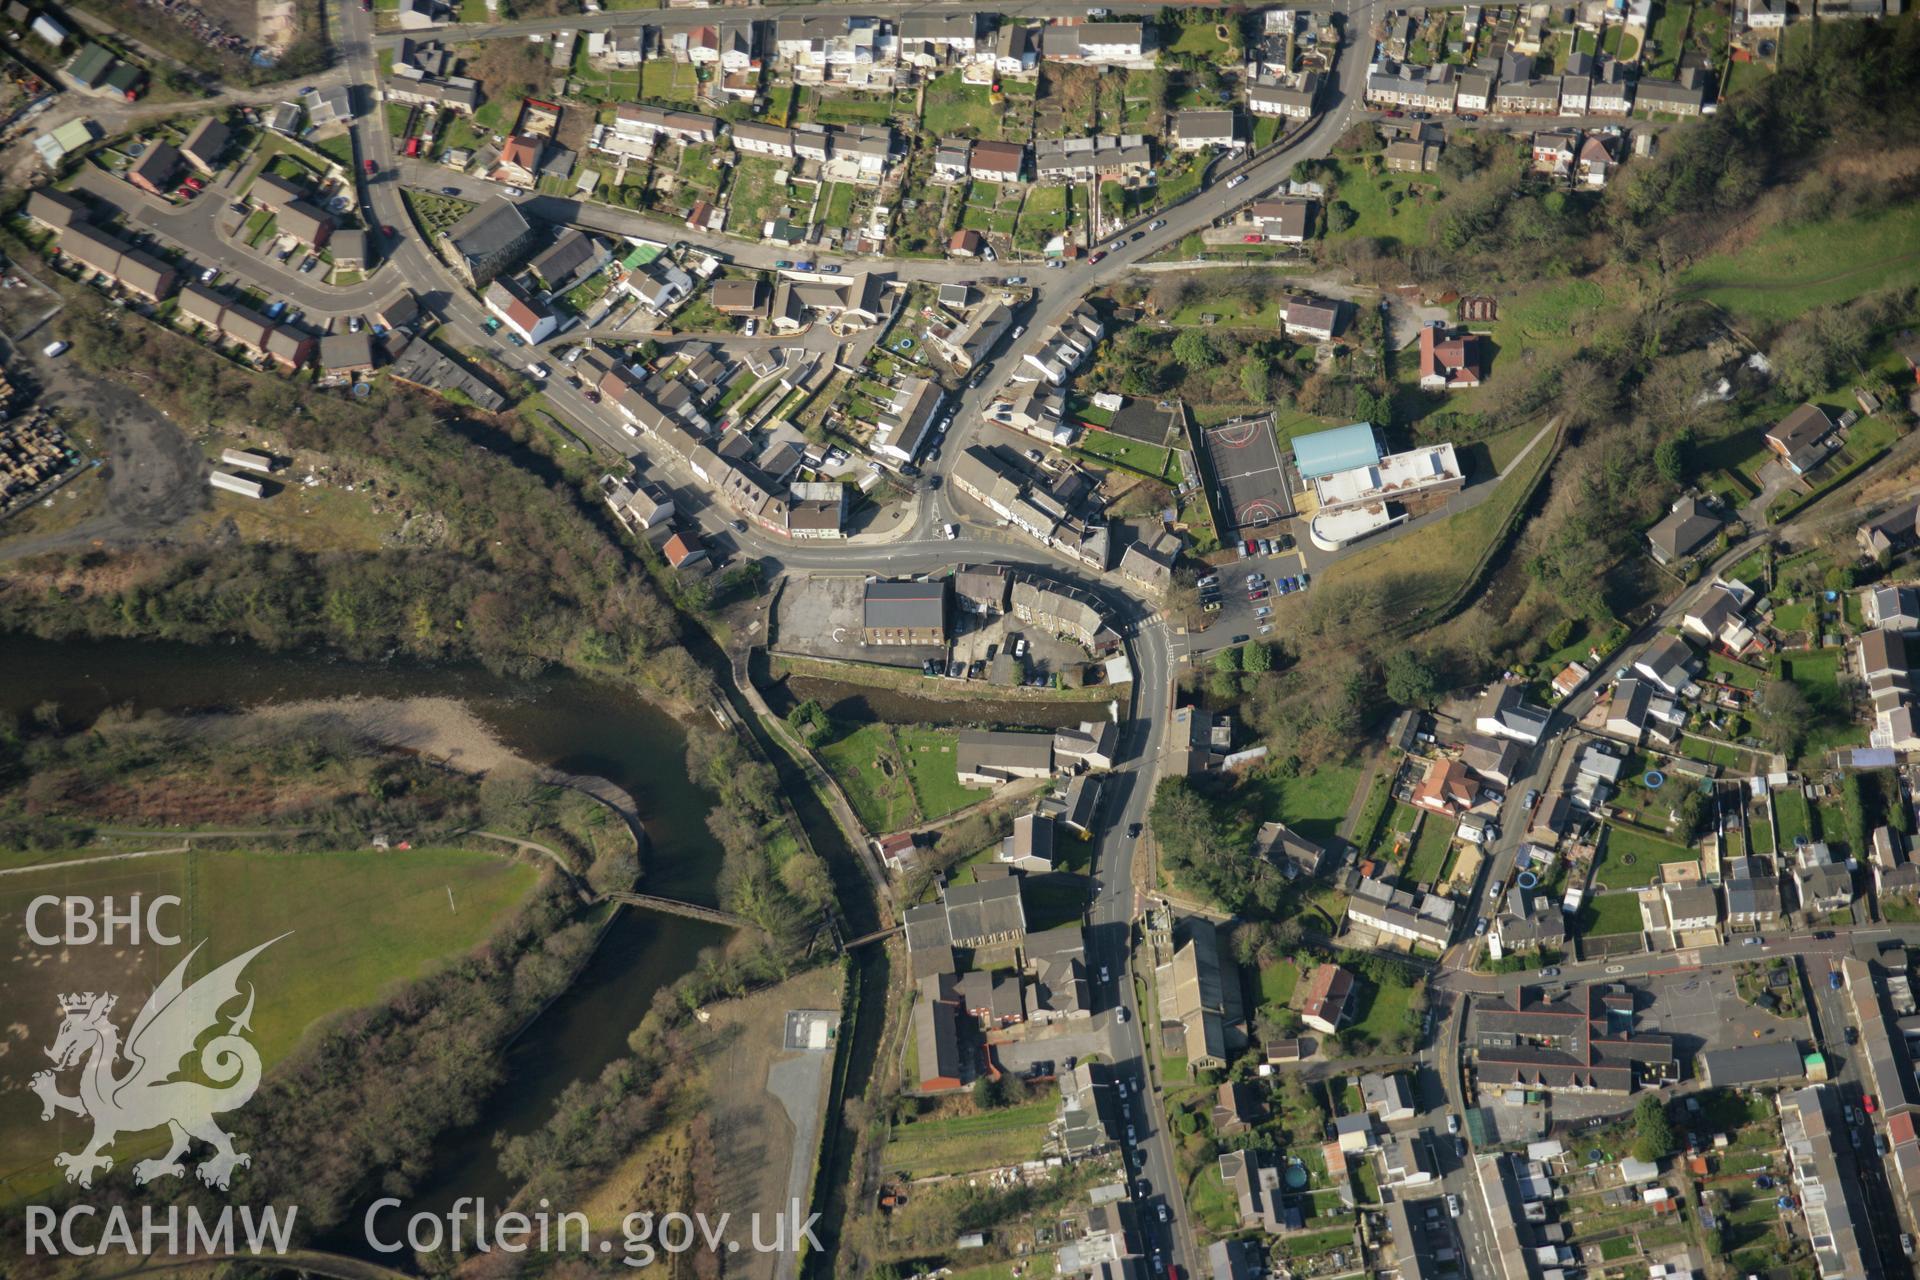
<point x="371" y="168"/>
<point x="196" y="184"/>
<point x="185" y="192"/>
<point x="1253" y="548"/>
<point x="1096" y="257"/>
<point x="1869" y="1105"/>
<point x="1250" y="239"/>
<point x="386" y="231"/>
<point x="1261" y="594"/>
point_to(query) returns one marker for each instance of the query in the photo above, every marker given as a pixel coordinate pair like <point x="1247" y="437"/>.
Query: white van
<point x="53" y="349"/>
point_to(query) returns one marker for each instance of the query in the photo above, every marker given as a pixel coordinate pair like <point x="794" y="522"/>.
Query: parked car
<point x="752" y="326"/>
<point x="54" y="350"/>
<point x="1532" y="797"/>
<point x="1480" y="927"/>
<point x="1096" y="256"/>
<point x="1453" y="1205"/>
<point x="449" y="191"/>
<point x="207" y="276"/>
<point x="371" y="168"/>
<point x="1156" y="224"/>
<point x="355" y="324"/>
<point x="1234" y="182"/>
<point x="1264" y="611"/>
<point x="1121" y="1013"/>
<point x="1016" y="280"/>
<point x="782" y="264"/>
<point x="953" y="531"/>
<point x="1453" y="1123"/>
<point x="1551" y="971"/>
<point x="803" y="266"/>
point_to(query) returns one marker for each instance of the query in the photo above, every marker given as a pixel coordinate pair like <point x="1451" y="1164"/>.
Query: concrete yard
<point x="821" y="617"/>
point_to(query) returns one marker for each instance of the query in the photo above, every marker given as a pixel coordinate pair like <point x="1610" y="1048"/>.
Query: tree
<point x="1256" y="379"/>
<point x="1340" y="216"/>
<point x="1257" y="659"/>
<point x="1410" y="682"/>
<point x="1194" y="350"/>
<point x="990" y="1092"/>
<point x="1653" y="1135"/>
<point x="1670" y="459"/>
<point x="1780" y="715"/>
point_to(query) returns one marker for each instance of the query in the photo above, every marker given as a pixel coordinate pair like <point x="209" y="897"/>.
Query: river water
<point x="555" y="719"/>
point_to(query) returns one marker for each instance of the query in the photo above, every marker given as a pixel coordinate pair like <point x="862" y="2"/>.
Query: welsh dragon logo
<point x="145" y="1095"/>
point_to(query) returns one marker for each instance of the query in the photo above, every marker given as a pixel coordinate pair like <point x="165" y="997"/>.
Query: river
<point x="555" y="719"/>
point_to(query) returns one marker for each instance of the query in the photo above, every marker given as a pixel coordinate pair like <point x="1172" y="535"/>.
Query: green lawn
<point x="1629" y="857"/>
<point x="1791" y="270"/>
<point x="1209" y="1200"/>
<point x="1135" y="455"/>
<point x="1430" y="850"/>
<point x="1610" y="913"/>
<point x="1201" y="38"/>
<point x="670" y="81"/>
<point x="929" y="754"/>
<point x="965" y="1144"/>
<point x="1793" y="817"/>
<point x="1315" y="803"/>
<point x="1385" y="1014"/>
<point x="839" y="212"/>
<point x="354" y="922"/>
<point x="954" y="107"/>
<point x="1042" y="216"/>
<point x="868" y="768"/>
<point x="1277" y="982"/>
<point x="1397" y="207"/>
<point x="756" y="194"/>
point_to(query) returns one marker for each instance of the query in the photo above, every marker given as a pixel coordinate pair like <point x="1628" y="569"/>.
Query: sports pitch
<point x="1253" y="479"/>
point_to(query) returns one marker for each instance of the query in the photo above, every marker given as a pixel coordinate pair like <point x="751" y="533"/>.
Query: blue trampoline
<point x="1654" y="780"/>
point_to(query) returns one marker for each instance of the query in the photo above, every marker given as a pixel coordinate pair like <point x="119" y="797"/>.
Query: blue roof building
<point x="1340" y="449"/>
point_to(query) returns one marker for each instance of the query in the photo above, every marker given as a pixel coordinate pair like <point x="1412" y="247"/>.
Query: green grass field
<point x="1430" y="850"/>
<point x="955" y="107"/>
<point x="1147" y="459"/>
<point x="965" y="1144"/>
<point x="929" y="754"/>
<point x="1610" y="913"/>
<point x="869" y="770"/>
<point x="1629" y="857"/>
<point x="1386" y="1011"/>
<point x="355" y="923"/>
<point x="1791" y="270"/>
<point x="1277" y="982"/>
<point x="1043" y="216"/>
<point x="670" y="81"/>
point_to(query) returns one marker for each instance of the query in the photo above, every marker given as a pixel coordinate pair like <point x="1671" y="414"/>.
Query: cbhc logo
<point x="83" y="926"/>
